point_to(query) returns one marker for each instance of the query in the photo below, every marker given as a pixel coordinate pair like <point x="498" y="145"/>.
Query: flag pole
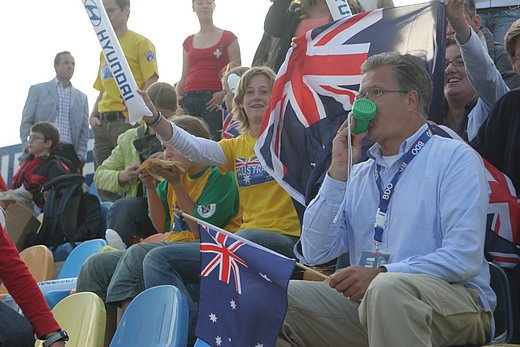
<point x="300" y="265"/>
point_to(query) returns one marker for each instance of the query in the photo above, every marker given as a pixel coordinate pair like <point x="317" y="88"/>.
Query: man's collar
<point x="57" y="81"/>
<point x="375" y="151"/>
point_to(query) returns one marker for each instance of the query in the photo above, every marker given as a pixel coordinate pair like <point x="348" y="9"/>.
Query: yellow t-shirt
<point x="266" y="205"/>
<point x="140" y="55"/>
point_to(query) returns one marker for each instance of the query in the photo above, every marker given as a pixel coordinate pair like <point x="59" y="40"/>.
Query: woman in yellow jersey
<point x="269" y="216"/>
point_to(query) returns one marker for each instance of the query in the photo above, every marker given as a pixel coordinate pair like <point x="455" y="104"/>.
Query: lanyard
<point x="386" y="195"/>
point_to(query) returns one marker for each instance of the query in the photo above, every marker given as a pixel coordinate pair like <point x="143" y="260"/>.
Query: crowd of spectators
<point x="433" y="279"/>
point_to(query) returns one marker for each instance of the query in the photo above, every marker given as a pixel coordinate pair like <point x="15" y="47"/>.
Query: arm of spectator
<point x="21" y="285"/>
<point x="179" y="87"/>
<point x="457" y="20"/>
<point x="149" y="81"/>
<point x="83" y="135"/>
<point x="155" y="205"/>
<point x="28" y="115"/>
<point x="106" y="176"/>
<point x="485" y="79"/>
<point x="199" y="150"/>
<point x="93" y="119"/>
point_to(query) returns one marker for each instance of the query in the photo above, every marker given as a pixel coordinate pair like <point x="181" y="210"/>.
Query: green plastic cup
<point x="363" y="111"/>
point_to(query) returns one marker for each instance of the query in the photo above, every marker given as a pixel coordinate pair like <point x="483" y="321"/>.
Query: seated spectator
<point x="512" y="45"/>
<point x="269" y="216"/>
<point x="201" y="190"/>
<point x="472" y="84"/>
<point x="128" y="217"/>
<point x="418" y="276"/>
<point x="41" y="165"/>
<point x="15" y="329"/>
<point x="287" y="19"/>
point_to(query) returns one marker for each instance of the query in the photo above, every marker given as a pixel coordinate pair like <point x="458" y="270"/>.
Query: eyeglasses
<point x="456" y="63"/>
<point x="375" y="93"/>
<point x="35" y="137"/>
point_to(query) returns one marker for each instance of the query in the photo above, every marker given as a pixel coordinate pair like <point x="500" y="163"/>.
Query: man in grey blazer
<point x="58" y="102"/>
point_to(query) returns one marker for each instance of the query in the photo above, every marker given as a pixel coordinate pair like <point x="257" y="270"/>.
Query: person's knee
<point x="96" y="269"/>
<point x="388" y="287"/>
<point x="153" y="260"/>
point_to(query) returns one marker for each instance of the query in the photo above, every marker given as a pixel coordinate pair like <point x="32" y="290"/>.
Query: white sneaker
<point x="114" y="240"/>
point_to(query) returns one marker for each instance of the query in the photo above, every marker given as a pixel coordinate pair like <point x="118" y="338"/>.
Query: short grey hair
<point x="408" y="75"/>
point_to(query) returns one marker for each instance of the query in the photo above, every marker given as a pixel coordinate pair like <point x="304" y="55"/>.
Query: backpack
<point x="70" y="213"/>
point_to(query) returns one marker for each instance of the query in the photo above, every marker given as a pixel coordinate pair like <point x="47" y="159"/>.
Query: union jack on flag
<point x="251" y="316"/>
<point x="225" y="259"/>
<point x="229" y="125"/>
<point x="316" y="86"/>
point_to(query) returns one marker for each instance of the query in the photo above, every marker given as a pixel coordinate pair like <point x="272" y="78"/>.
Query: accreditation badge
<point x="373" y="259"/>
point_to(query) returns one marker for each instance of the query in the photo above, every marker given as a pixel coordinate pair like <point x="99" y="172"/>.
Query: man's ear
<point x="476" y="20"/>
<point x="412" y="100"/>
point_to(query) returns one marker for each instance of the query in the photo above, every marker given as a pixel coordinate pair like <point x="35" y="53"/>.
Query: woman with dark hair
<point x="205" y="54"/>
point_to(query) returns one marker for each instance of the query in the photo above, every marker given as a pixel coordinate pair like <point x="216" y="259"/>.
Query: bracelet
<point x="156" y="121"/>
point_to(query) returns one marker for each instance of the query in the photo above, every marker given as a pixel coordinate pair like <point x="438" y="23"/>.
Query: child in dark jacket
<point x="42" y="166"/>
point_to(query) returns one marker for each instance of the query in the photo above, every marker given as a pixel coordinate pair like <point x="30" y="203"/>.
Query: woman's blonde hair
<point x="238" y="111"/>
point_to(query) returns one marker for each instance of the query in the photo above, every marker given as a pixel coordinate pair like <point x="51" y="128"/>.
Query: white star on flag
<point x="213" y="317"/>
<point x="233" y="304"/>
<point x="218" y="340"/>
<point x="259" y="344"/>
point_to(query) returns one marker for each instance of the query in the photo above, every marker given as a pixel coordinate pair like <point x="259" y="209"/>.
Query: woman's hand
<point x="172" y="175"/>
<point x="216" y="101"/>
<point x="147" y="179"/>
<point x="148" y="102"/>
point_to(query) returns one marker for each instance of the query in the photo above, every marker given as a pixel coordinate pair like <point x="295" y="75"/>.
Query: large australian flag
<point x="243" y="290"/>
<point x="316" y="86"/>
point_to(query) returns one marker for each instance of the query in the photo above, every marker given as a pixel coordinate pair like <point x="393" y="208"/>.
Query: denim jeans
<point x="499" y="22"/>
<point x="283" y="244"/>
<point x="15" y="329"/>
<point x="129" y="218"/>
<point x="194" y="104"/>
<point x="177" y="264"/>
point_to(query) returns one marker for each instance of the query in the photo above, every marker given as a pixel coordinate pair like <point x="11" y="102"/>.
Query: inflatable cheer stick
<point x="116" y="60"/>
<point x="339" y="9"/>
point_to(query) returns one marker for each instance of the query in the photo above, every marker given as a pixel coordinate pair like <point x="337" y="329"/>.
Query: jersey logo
<point x="149" y="55"/>
<point x="206" y="211"/>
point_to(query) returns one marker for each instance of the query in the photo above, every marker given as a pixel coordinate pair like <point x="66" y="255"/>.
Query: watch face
<point x="65" y="336"/>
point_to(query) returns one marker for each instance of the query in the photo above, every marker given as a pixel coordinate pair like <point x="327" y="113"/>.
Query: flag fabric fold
<point x="316" y="86"/>
<point x="243" y="290"/>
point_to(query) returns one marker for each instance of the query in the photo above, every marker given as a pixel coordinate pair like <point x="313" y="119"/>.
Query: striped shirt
<point x="63" y="120"/>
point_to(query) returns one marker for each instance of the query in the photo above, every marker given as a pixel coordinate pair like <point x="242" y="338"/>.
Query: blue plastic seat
<point x="71" y="268"/>
<point x="156" y="317"/>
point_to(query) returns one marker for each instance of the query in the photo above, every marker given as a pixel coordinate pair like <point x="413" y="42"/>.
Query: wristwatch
<point x="58" y="336"/>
